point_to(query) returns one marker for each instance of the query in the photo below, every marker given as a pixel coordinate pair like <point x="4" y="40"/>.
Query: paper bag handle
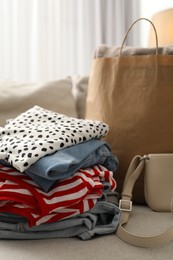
<point x="131" y="28"/>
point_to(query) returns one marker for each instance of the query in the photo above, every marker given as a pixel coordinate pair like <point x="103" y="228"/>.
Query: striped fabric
<point x="72" y="196"/>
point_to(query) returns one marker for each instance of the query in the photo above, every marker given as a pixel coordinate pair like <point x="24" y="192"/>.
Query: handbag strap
<point x="125" y="204"/>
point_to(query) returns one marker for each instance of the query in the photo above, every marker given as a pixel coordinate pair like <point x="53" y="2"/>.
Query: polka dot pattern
<point x="38" y="132"/>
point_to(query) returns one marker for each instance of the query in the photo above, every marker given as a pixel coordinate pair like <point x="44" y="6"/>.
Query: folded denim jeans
<point x="100" y="220"/>
<point x="64" y="163"/>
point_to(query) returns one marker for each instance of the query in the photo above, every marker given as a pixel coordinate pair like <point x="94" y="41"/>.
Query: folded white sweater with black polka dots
<point x="37" y="132"/>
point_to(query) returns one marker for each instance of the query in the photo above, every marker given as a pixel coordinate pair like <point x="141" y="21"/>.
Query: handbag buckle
<point x="125" y="205"/>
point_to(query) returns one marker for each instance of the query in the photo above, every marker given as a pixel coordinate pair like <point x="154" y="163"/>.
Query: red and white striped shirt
<point x="72" y="196"/>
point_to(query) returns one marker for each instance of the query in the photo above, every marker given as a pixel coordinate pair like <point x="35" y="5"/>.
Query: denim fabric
<point x="102" y="219"/>
<point x="62" y="164"/>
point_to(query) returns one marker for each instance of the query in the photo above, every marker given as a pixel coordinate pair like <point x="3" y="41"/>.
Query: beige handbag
<point x="158" y="185"/>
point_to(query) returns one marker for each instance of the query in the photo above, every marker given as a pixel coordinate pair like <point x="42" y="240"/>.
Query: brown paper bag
<point x="133" y="94"/>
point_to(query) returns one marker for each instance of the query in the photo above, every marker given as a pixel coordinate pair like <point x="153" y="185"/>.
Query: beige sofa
<point x="68" y="96"/>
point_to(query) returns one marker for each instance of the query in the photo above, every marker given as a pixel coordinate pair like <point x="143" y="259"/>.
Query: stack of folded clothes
<point x="55" y="174"/>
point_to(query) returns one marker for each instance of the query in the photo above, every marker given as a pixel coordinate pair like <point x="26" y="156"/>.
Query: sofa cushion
<point x="17" y="97"/>
<point x="79" y="90"/>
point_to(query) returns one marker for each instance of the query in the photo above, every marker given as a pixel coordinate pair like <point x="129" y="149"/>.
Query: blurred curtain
<point x="50" y="39"/>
